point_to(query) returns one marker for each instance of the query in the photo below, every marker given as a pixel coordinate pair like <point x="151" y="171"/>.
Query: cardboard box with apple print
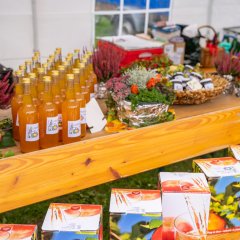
<point x="135" y="214"/>
<point x="185" y="203"/>
<point x="223" y="176"/>
<point x="18" y="231"/>
<point x="72" y="221"/>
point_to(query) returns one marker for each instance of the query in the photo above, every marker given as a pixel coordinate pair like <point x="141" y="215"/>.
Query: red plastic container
<point x="132" y="55"/>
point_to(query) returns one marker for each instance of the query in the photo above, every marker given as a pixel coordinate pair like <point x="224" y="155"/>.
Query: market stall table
<point x="102" y="157"/>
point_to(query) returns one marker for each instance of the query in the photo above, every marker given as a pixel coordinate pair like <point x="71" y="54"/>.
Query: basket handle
<point x="206" y="26"/>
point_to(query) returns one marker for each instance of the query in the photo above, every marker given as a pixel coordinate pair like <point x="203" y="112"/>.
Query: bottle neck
<point x="27" y="98"/>
<point x="77" y="82"/>
<point x="55" y="86"/>
<point x="62" y="81"/>
<point x="47" y="96"/>
<point x="18" y="89"/>
<point x="70" y="93"/>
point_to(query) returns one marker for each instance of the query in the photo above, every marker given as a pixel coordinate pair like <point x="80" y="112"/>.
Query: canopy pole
<point x="34" y="25"/>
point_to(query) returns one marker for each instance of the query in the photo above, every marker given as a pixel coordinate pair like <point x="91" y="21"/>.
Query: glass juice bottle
<point x="57" y="99"/>
<point x="16" y="102"/>
<point x="83" y="119"/>
<point x="90" y="85"/>
<point x="48" y="117"/>
<point x="76" y="57"/>
<point x="34" y="64"/>
<point x="40" y="83"/>
<point x="28" y="121"/>
<point x="82" y="74"/>
<point x="81" y="100"/>
<point x="33" y="86"/>
<point x="62" y="80"/>
<point x="23" y="69"/>
<point x="71" y="114"/>
<point x="93" y="76"/>
<point x="85" y="90"/>
<point x="28" y="65"/>
<point x="58" y="57"/>
<point x="37" y="58"/>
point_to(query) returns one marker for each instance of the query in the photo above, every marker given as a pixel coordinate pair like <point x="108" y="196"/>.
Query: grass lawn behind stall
<point x="34" y="214"/>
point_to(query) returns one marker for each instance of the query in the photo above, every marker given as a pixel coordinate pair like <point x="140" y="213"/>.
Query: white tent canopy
<point x="28" y="25"/>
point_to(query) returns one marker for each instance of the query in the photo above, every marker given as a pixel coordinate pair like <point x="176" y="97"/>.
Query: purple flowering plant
<point x="118" y="87"/>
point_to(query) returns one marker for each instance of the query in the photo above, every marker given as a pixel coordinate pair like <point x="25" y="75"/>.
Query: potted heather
<point x="106" y="65"/>
<point x="6" y="87"/>
<point x="229" y="67"/>
<point x="141" y="97"/>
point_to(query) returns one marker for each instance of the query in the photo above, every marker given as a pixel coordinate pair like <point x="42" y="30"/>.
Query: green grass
<point x="34" y="214"/>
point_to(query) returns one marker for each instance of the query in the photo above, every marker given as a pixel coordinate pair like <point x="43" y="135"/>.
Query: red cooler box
<point x="132" y="48"/>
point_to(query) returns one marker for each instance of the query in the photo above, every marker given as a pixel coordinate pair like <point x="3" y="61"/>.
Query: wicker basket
<point x="203" y="95"/>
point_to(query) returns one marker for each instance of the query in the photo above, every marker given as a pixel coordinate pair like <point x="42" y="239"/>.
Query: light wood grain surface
<point x="33" y="177"/>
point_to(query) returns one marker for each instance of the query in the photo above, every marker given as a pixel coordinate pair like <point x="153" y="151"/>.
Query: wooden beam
<point x="33" y="177"/>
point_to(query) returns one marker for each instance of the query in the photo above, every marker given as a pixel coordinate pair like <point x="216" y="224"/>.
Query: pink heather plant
<point x="228" y="64"/>
<point x="106" y="63"/>
<point x="6" y="91"/>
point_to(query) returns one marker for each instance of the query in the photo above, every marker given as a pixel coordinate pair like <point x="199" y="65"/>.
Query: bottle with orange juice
<point x="33" y="86"/>
<point x="16" y="102"/>
<point x="76" y="57"/>
<point x="57" y="99"/>
<point x="58" y="58"/>
<point x="28" y="121"/>
<point x="40" y="83"/>
<point x="71" y="114"/>
<point x="48" y="117"/>
<point x="37" y="59"/>
<point x="62" y="80"/>
<point x="82" y="73"/>
<point x="81" y="100"/>
<point x="29" y="68"/>
<point x="83" y="120"/>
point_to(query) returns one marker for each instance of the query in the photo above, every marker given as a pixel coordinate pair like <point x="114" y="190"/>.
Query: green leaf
<point x="230" y="200"/>
<point x="7" y="140"/>
<point x="230" y="216"/>
<point x="9" y="153"/>
<point x="155" y="223"/>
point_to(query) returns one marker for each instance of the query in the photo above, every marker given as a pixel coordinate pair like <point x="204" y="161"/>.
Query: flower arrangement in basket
<point x="141" y="97"/>
<point x="229" y="67"/>
<point x="192" y="86"/>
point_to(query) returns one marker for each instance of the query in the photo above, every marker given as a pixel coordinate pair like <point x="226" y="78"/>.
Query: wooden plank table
<point x="100" y="158"/>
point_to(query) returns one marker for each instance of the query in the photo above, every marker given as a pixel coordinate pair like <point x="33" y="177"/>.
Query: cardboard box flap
<point x="235" y="149"/>
<point x="135" y="201"/>
<point x="219" y="167"/>
<point x="183" y="182"/>
<point x="130" y="42"/>
<point x="18" y="231"/>
<point x="72" y="217"/>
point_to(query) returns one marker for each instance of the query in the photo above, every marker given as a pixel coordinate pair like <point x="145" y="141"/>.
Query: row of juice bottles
<point x="49" y="103"/>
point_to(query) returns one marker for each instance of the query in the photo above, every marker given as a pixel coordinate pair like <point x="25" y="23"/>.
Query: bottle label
<point x="32" y="132"/>
<point x="83" y="116"/>
<point x="60" y="121"/>
<point x="95" y="87"/>
<point x="92" y="95"/>
<point x="17" y="120"/>
<point x="52" y="125"/>
<point x="74" y="128"/>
